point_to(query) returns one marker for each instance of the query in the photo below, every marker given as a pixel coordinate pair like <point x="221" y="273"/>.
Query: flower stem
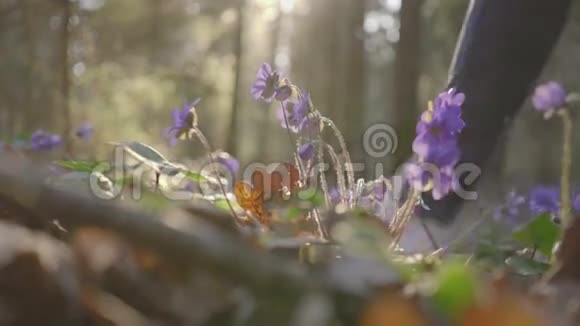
<point x="429" y="234"/>
<point x="302" y="172"/>
<point x="321" y="171"/>
<point x="339" y="174"/>
<point x="208" y="149"/>
<point x="348" y="167"/>
<point x="403" y="216"/>
<point x="292" y="144"/>
<point x="566" y="209"/>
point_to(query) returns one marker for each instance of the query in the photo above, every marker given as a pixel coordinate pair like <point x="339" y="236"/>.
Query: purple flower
<point x="426" y="176"/>
<point x="545" y="199"/>
<point x="183" y="122"/>
<point x="306" y="151"/>
<point x="231" y="163"/>
<point x="443" y="182"/>
<point x="266" y="83"/>
<point x="436" y="140"/>
<point x="450" y="98"/>
<point x="310" y="125"/>
<point x="436" y="145"/>
<point x="445" y="117"/>
<point x="549" y="97"/>
<point x="417" y="176"/>
<point x="440" y="152"/>
<point x="377" y="200"/>
<point x="41" y="140"/>
<point x="510" y="210"/>
<point x="283" y="93"/>
<point x="295" y="113"/>
<point x="335" y="197"/>
<point x="85" y="131"/>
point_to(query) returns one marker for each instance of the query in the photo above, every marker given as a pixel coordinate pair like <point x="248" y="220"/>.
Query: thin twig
<point x="208" y="149"/>
<point x="429" y="234"/>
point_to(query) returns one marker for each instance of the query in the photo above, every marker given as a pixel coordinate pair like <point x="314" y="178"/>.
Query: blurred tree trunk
<point x="353" y="87"/>
<point x="265" y="126"/>
<point x="28" y="108"/>
<point x="232" y="138"/>
<point x="155" y="36"/>
<point x="65" y="75"/>
<point x="329" y="61"/>
<point x="9" y="97"/>
<point x="407" y="76"/>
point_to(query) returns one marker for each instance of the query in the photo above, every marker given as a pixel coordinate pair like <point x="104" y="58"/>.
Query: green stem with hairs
<point x="292" y="143"/>
<point x="208" y="149"/>
<point x="565" y="210"/>
<point x="302" y="173"/>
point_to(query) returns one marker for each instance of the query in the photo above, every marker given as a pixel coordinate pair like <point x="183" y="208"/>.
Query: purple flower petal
<point x="306" y="151"/>
<point x="549" y="96"/>
<point x="232" y="164"/>
<point x="85" y="131"/>
<point x="41" y="140"/>
<point x="545" y="199"/>
<point x="266" y="83"/>
<point x="172" y="140"/>
<point x="510" y="210"/>
<point x="283" y="93"/>
<point x="182" y="122"/>
<point x="417" y="176"/>
<point x="264" y="72"/>
<point x="443" y="183"/>
<point x="295" y="113"/>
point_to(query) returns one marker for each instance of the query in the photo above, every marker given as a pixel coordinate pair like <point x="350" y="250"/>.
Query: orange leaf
<point x="393" y="309"/>
<point x="251" y="200"/>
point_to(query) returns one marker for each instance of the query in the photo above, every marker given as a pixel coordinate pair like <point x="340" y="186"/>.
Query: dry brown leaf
<point x="393" y="309"/>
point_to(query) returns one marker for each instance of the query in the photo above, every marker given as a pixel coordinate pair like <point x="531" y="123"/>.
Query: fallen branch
<point x="205" y="245"/>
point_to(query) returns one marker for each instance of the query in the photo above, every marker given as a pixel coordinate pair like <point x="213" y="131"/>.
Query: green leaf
<point x="540" y="233"/>
<point x="144" y="152"/>
<point x="147" y="155"/>
<point x="194" y="176"/>
<point x="526" y="266"/>
<point x="124" y="180"/>
<point x="223" y="204"/>
<point x="456" y="289"/>
<point x="316" y="199"/>
<point x="82" y="166"/>
<point x="22" y="136"/>
<point x="154" y="201"/>
<point x="292" y="213"/>
<point x="364" y="237"/>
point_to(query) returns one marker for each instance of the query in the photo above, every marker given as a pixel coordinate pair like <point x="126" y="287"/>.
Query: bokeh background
<point x="124" y="65"/>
